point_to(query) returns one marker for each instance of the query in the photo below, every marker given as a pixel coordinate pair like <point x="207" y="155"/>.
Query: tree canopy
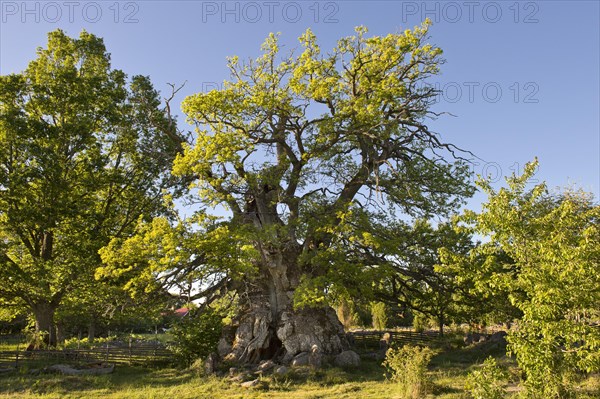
<point x="83" y="153"/>
<point x="551" y="274"/>
<point x="307" y="152"/>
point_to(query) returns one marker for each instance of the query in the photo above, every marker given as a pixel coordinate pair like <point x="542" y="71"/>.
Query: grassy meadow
<point x="447" y="372"/>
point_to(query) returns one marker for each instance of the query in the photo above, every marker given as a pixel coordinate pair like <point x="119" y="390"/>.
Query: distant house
<point x="181" y="312"/>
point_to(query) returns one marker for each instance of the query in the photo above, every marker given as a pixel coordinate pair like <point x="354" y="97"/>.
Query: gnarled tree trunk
<point x="270" y="328"/>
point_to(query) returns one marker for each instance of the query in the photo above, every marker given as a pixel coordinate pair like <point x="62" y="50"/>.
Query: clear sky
<point x="521" y="78"/>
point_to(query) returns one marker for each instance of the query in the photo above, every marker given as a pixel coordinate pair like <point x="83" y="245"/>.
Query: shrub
<point x="408" y="367"/>
<point x="196" y="335"/>
<point x="487" y="382"/>
<point x="379" y="314"/>
<point x="419" y="322"/>
<point x="346" y="312"/>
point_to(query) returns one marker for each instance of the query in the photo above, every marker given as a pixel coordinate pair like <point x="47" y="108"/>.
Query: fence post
<point x="106" y="357"/>
<point x="17" y="354"/>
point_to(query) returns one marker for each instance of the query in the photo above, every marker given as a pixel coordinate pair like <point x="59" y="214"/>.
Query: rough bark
<point x="44" y="324"/>
<point x="270" y="328"/>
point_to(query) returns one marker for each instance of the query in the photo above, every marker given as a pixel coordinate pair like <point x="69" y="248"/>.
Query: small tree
<point x="487" y="382"/>
<point x="408" y="367"/>
<point x="346" y="312"/>
<point x="196" y="335"/>
<point x="379" y="314"/>
<point x="553" y="243"/>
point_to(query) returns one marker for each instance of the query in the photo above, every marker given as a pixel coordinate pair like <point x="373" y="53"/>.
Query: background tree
<point x="83" y="153"/>
<point x="423" y="268"/>
<point x="303" y="150"/>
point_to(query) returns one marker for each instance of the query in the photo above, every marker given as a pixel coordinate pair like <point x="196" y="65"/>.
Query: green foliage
<point x="413" y="277"/>
<point x="293" y="180"/>
<point x="420" y="322"/>
<point x="379" y="314"/>
<point x="407" y="366"/>
<point x="293" y="177"/>
<point x="488" y="381"/>
<point x="347" y="313"/>
<point x="84" y="152"/>
<point x="196" y="335"/>
<point x="544" y="251"/>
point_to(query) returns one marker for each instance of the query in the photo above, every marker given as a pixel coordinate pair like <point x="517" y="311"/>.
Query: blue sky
<point x="521" y="78"/>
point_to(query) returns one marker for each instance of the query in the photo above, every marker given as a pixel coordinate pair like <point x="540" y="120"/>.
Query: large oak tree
<point x="83" y="153"/>
<point x="306" y="151"/>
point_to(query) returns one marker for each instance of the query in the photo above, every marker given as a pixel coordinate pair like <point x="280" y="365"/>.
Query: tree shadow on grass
<point x="464" y="358"/>
<point x="123" y="377"/>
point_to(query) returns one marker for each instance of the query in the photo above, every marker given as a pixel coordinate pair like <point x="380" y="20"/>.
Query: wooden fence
<point x="133" y="354"/>
<point x="371" y="340"/>
<point x="153" y="354"/>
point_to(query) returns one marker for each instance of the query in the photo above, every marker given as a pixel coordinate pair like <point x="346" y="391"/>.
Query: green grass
<point x="448" y="372"/>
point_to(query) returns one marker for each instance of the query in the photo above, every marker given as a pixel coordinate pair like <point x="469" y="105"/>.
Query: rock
<point x="281" y="370"/>
<point x="315" y="358"/>
<point x="232" y="371"/>
<point x="347" y="359"/>
<point x="210" y="364"/>
<point x="498" y="337"/>
<point x="301" y="359"/>
<point x="471" y="338"/>
<point x="385" y="341"/>
<point x="266" y="365"/>
<point x="250" y="384"/>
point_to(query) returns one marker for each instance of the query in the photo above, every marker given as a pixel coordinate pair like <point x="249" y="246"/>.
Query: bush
<point x="408" y="367"/>
<point x="379" y="314"/>
<point x="196" y="335"/>
<point x="419" y="322"/>
<point x="346" y="312"/>
<point x="487" y="382"/>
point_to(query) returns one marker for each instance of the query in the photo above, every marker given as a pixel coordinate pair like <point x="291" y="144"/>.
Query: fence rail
<point x="130" y="355"/>
<point x="366" y="340"/>
<point x="156" y="354"/>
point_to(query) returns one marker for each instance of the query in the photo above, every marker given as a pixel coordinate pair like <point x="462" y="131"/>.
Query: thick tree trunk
<point x="269" y="327"/>
<point x="441" y="321"/>
<point x="60" y="333"/>
<point x="92" y="330"/>
<point x="44" y="324"/>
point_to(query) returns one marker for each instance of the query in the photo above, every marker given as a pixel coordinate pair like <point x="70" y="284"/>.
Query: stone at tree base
<point x="347" y="359"/>
<point x="301" y="359"/>
<point x="250" y="384"/>
<point x="498" y="337"/>
<point x="315" y="358"/>
<point x="266" y="365"/>
<point x="281" y="370"/>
